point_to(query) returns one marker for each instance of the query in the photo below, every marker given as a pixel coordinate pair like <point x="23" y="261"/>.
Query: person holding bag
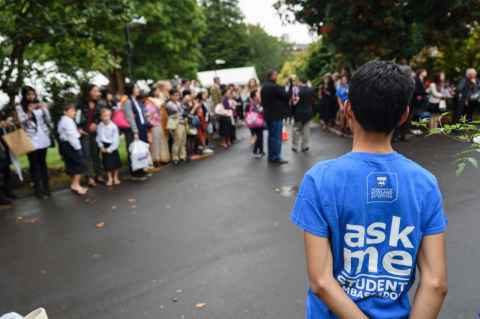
<point x="135" y="114"/>
<point x="35" y="119"/>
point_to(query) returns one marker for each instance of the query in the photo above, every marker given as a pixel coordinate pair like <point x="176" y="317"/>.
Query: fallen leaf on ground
<point x="100" y="225"/>
<point x="200" y="305"/>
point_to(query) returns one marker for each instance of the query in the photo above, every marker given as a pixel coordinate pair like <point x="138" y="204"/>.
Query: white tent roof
<point x="237" y="76"/>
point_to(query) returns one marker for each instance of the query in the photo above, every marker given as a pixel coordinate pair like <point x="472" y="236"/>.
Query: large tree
<point x="66" y="32"/>
<point x="266" y="52"/>
<point x="366" y="29"/>
<point x="169" y="42"/>
<point x="226" y="34"/>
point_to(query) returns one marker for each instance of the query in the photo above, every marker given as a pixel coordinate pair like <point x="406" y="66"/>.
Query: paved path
<point x="214" y="231"/>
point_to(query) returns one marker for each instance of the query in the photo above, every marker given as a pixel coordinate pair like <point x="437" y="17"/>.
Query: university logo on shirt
<point x="382" y="187"/>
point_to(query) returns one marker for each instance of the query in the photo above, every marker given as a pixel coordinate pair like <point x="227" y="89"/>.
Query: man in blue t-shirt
<point x="371" y="216"/>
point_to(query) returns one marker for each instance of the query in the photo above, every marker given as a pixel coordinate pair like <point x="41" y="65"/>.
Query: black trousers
<point x="258" y="147"/>
<point x="39" y="170"/>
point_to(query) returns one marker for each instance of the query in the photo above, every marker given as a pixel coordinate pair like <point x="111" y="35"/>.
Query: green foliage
<point x="368" y="29"/>
<point x="318" y="60"/>
<point x="169" y="43"/>
<point x="465" y="132"/>
<point x="266" y="52"/>
<point x="226" y="35"/>
<point x="66" y="32"/>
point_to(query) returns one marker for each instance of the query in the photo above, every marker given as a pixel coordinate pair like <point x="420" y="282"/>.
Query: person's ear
<point x="348" y="110"/>
<point x="405" y="116"/>
<point x="349" y="114"/>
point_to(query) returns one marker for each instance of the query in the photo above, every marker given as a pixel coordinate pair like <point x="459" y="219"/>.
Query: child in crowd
<point x="108" y="139"/>
<point x="372" y="216"/>
<point x="71" y="149"/>
<point x="257" y="129"/>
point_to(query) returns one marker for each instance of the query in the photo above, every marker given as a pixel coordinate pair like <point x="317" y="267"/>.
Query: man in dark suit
<point x="303" y="101"/>
<point x="275" y="104"/>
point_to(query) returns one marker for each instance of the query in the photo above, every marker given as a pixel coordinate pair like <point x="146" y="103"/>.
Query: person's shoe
<point x="278" y="162"/>
<point x="257" y="155"/>
<point x="294" y="150"/>
<point x="175" y="163"/>
<point x="306" y="149"/>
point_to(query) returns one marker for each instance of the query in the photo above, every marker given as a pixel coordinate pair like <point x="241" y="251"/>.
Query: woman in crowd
<point x="193" y="124"/>
<point x="257" y="131"/>
<point x="328" y="101"/>
<point x="71" y="149"/>
<point x="225" y="114"/>
<point x="135" y="114"/>
<point x="87" y="118"/>
<point x="157" y="118"/>
<point x="36" y="121"/>
<point x="437" y="99"/>
<point x="108" y="140"/>
<point x="107" y="100"/>
<point x="177" y="126"/>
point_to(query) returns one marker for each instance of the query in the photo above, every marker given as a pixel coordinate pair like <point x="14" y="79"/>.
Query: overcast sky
<point x="262" y="12"/>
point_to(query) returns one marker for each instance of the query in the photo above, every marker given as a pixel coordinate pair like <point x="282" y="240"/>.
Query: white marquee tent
<point x="237" y="76"/>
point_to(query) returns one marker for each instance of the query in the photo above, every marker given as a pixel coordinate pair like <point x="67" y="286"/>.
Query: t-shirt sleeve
<point x="308" y="212"/>
<point x="434" y="220"/>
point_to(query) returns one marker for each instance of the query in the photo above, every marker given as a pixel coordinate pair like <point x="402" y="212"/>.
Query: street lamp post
<point x="134" y="22"/>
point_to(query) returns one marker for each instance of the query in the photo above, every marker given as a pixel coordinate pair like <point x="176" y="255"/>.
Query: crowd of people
<point x="179" y="120"/>
<point x="432" y="97"/>
<point x="182" y="121"/>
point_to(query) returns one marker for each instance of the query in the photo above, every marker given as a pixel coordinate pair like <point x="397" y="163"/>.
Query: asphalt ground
<point x="213" y="232"/>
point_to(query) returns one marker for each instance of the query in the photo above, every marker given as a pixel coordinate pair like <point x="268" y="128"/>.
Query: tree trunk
<point x="117" y="81"/>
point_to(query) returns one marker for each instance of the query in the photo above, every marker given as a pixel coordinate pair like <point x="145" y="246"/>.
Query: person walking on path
<point x="275" y="105"/>
<point x="372" y="216"/>
<point x="302" y="114"/>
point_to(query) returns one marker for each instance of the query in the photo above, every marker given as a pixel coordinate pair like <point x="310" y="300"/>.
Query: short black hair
<point x="380" y="92"/>
<point x="129" y="87"/>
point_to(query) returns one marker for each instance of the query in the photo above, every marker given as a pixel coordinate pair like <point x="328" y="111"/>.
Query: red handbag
<point x="120" y="119"/>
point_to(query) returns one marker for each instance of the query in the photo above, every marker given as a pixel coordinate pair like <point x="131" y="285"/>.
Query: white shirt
<point x="108" y="133"/>
<point x="37" y="130"/>
<point x="68" y="132"/>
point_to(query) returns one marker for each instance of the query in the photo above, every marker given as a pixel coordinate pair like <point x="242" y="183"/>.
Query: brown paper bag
<point x="18" y="142"/>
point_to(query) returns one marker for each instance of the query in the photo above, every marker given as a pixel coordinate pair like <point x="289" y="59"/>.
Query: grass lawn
<point x="55" y="162"/>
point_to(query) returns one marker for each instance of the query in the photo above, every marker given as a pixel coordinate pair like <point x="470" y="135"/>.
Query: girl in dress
<point x="71" y="149"/>
<point x="108" y="140"/>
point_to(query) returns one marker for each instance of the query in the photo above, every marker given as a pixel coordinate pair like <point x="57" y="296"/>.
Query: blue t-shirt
<point x="375" y="209"/>
<point x="342" y="92"/>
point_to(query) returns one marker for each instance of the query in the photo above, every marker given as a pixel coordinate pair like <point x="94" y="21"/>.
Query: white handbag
<point x="40" y="313"/>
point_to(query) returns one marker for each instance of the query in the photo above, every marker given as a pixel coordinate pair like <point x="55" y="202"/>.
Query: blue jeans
<point x="275" y="140"/>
